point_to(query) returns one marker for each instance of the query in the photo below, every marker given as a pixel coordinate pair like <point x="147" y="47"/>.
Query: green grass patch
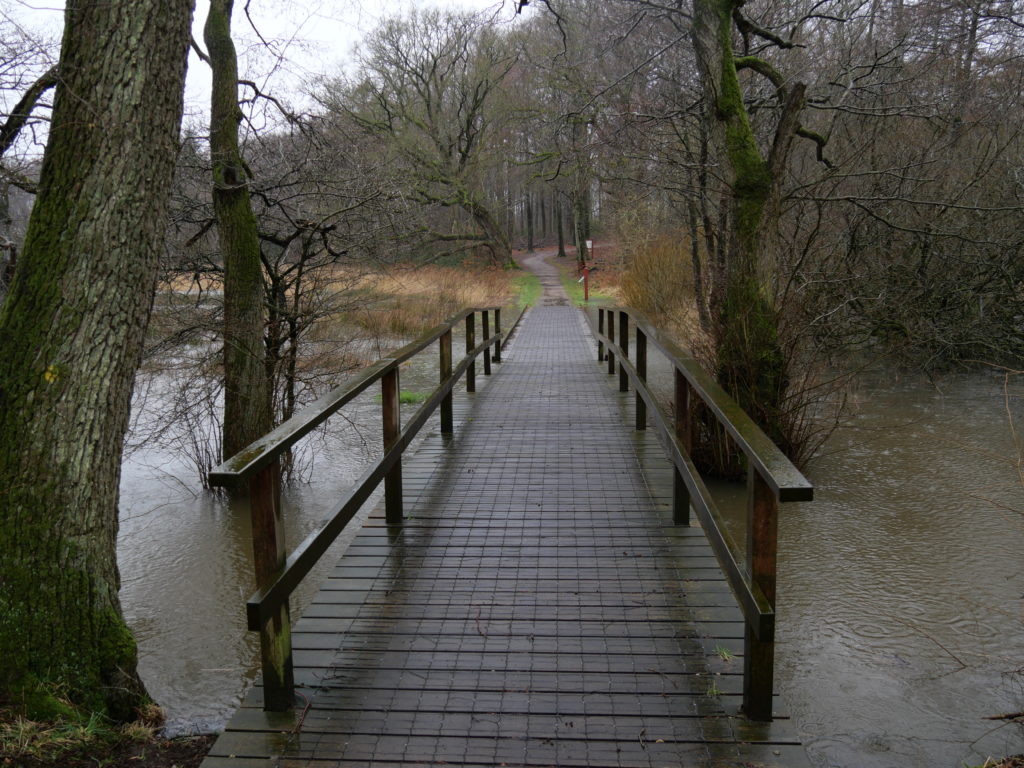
<point x="528" y="289"/>
<point x="73" y="742"/>
<point x="407" y="398"/>
<point x="723" y="653"/>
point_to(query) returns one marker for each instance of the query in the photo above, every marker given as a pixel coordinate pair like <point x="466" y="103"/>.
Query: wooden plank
<point x="508" y="723"/>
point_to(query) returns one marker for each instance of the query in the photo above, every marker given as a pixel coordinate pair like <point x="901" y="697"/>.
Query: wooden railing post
<point x="264" y="500"/>
<point x="611" y="338"/>
<point x="624" y="346"/>
<point x="470" y="343"/>
<point x="497" y="331"/>
<point x="762" y="542"/>
<point x="390" y="397"/>
<point x="641" y="371"/>
<point x="600" y="331"/>
<point x="447" y="427"/>
<point x="486" y="330"/>
<point x="684" y="431"/>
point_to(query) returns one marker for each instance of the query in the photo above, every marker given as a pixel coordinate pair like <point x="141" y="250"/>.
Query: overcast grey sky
<point x="311" y="37"/>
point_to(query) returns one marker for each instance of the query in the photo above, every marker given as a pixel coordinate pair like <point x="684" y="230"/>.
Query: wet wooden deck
<point x="538" y="608"/>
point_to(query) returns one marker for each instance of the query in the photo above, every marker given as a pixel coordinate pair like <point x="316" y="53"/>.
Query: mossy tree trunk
<point x="247" y="398"/>
<point x="751" y="364"/>
<point x="71" y="337"/>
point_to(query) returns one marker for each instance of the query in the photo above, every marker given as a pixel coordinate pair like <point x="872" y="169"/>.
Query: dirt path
<point x="554" y="294"/>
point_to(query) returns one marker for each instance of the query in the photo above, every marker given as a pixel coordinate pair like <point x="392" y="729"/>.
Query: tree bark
<point x="750" y="362"/>
<point x="247" y="399"/>
<point x="529" y="221"/>
<point x="497" y="238"/>
<point x="560" y="223"/>
<point x="71" y="337"/>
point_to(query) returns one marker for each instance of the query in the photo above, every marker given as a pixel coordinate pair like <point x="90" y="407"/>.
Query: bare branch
<point x="23" y="109"/>
<point x="820" y="142"/>
<point x="748" y="28"/>
<point x="194" y="44"/>
<point x="288" y="115"/>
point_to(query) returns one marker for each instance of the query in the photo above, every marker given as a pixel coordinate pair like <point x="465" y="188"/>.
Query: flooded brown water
<point x="901" y="588"/>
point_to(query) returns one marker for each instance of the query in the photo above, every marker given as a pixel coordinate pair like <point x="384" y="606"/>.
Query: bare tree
<point x="426" y="88"/>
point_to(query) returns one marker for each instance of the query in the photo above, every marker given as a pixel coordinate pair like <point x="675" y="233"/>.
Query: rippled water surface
<point x="902" y="585"/>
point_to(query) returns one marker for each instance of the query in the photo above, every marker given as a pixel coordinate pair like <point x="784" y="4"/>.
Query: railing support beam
<point x="684" y="431"/>
<point x="497" y="331"/>
<point x="600" y="333"/>
<point x="390" y="397"/>
<point x="470" y="343"/>
<point x="762" y="543"/>
<point x="611" y="338"/>
<point x="624" y="346"/>
<point x="641" y="371"/>
<point x="263" y="498"/>
<point x="447" y="423"/>
<point x="486" y="329"/>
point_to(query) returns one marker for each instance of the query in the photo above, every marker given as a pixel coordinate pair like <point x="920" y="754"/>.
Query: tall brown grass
<point x="408" y="301"/>
<point x="658" y="280"/>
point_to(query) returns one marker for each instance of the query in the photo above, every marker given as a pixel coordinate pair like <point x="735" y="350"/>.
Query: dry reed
<point x="409" y="301"/>
<point x="658" y="280"/>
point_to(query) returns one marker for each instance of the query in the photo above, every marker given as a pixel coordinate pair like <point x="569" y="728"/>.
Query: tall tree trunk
<point x="581" y="224"/>
<point x="529" y="222"/>
<point x="71" y="336"/>
<point x="699" y="290"/>
<point x="544" y="201"/>
<point x="247" y="398"/>
<point x="8" y="250"/>
<point x="560" y="223"/>
<point x="751" y="363"/>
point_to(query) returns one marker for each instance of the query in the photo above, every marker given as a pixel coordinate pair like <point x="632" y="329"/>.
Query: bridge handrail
<point x="782" y="476"/>
<point x="772" y="478"/>
<point x="253" y="475"/>
<point x="247" y="462"/>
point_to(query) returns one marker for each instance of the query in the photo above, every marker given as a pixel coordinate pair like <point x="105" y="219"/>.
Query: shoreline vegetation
<point x="96" y="743"/>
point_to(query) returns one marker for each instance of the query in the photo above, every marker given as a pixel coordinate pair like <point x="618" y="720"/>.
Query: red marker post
<point x="586" y="271"/>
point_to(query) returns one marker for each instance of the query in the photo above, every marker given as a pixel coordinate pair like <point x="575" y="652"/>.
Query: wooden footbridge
<point x="526" y="595"/>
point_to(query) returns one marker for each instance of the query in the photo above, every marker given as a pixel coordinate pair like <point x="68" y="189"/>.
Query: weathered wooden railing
<point x="253" y="476"/>
<point x="771" y="478"/>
